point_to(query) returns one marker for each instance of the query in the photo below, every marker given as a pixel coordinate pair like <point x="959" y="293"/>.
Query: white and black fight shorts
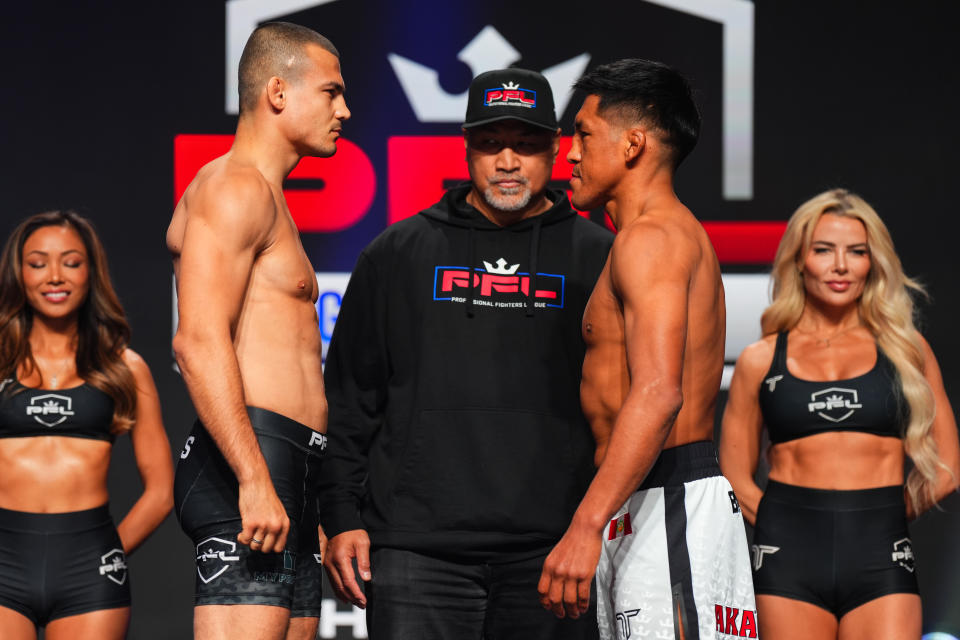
<point x="676" y="556"/>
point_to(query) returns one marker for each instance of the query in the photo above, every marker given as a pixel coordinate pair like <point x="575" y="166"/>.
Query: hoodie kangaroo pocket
<point x="487" y="470"/>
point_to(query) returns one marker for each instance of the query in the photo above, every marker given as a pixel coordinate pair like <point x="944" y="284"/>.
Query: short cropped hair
<point x="649" y="92"/>
<point x="274" y="49"/>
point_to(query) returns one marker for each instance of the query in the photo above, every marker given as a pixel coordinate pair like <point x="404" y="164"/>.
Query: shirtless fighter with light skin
<point x="654" y="328"/>
<point x="248" y="331"/>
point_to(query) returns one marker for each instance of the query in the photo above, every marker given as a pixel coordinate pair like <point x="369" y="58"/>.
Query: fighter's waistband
<point x="273" y="425"/>
<point x="684" y="463"/>
<point x="835" y="500"/>
<point x="64" y="522"/>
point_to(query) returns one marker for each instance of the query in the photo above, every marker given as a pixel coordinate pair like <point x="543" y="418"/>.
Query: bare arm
<point x="152" y="451"/>
<point x="742" y="427"/>
<point x="229" y="223"/>
<point x="650" y="271"/>
<point x="944" y="432"/>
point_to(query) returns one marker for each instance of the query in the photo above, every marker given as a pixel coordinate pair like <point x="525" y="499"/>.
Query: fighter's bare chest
<point x="603" y="315"/>
<point x="284" y="266"/>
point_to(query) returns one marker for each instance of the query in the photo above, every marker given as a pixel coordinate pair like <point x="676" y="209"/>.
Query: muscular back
<point x="654" y="327"/>
<point x="241" y="269"/>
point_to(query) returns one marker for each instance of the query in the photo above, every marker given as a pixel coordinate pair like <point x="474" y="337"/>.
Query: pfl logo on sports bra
<point x="50" y="409"/>
<point x="834" y="404"/>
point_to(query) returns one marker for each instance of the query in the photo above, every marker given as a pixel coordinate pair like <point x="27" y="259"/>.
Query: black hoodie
<point x="455" y="426"/>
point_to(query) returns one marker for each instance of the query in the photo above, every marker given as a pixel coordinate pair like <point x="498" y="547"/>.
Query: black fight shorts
<point x="835" y="549"/>
<point x="54" y="565"/>
<point x="206" y="499"/>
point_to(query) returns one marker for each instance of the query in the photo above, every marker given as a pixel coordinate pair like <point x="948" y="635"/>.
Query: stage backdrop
<point x="112" y="106"/>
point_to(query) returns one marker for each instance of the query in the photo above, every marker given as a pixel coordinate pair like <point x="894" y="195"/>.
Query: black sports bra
<point x="793" y="408"/>
<point x="78" y="412"/>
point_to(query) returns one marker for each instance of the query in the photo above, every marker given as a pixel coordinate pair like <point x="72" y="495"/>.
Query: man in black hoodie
<point x="458" y="447"/>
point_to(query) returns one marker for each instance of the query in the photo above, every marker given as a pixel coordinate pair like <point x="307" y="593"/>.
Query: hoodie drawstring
<point x="534" y="252"/>
<point x="472" y="255"/>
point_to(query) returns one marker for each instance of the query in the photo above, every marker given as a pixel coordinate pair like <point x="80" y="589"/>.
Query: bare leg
<point x="303" y="628"/>
<point x="16" y="626"/>
<point x="788" y="619"/>
<point x="106" y="624"/>
<point x="248" y="621"/>
<point x="894" y="617"/>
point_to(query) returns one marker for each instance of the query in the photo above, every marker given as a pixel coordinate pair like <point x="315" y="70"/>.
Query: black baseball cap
<point x="510" y="94"/>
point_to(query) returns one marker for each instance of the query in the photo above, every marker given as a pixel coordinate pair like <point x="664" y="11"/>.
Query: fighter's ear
<point x="556" y="144"/>
<point x="636" y="140"/>
<point x="276" y="93"/>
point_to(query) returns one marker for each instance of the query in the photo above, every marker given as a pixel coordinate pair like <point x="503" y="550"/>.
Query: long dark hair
<point x="102" y="330"/>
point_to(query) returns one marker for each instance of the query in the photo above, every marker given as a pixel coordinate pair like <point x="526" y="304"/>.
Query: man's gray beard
<point x="507" y="199"/>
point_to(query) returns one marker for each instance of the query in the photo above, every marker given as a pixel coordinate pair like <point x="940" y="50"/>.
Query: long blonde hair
<point x="886" y="309"/>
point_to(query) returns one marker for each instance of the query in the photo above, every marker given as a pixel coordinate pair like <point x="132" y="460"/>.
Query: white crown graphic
<point x="501" y="267"/>
<point x="511" y="85"/>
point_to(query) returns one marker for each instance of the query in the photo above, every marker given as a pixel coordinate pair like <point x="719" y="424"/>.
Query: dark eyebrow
<point x="44" y="253"/>
<point x="336" y="86"/>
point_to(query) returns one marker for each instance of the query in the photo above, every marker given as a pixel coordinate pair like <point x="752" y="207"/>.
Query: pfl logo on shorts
<point x="113" y="565"/>
<point x="736" y="623"/>
<point x="903" y="553"/>
<point x="318" y="439"/>
<point x="50" y="409"/>
<point x="511" y="95"/>
<point x="834" y="404"/>
<point x="214" y="556"/>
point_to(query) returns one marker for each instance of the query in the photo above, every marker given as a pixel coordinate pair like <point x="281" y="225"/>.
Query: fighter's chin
<point x="322" y="151"/>
<point x="584" y="202"/>
<point x="326" y="151"/>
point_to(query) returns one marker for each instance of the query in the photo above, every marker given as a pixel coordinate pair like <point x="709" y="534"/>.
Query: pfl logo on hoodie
<point x="498" y="284"/>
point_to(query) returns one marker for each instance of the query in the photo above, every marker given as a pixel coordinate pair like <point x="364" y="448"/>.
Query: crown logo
<point x="501" y="267"/>
<point x="511" y="85"/>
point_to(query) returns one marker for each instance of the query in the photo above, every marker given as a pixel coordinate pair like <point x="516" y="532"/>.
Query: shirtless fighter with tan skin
<point x="249" y="348"/>
<point x="658" y="517"/>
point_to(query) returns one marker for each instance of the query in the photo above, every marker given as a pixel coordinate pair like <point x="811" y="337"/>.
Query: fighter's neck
<point x="266" y="149"/>
<point x="638" y="194"/>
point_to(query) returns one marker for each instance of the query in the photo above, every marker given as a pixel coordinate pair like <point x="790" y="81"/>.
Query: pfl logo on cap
<point x="511" y="95"/>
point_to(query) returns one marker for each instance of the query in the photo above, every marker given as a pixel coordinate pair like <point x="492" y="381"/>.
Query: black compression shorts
<point x="206" y="497"/>
<point x="835" y="549"/>
<point x="61" y="564"/>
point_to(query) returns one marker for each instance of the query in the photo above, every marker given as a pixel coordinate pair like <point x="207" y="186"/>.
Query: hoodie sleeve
<point x="355" y="376"/>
